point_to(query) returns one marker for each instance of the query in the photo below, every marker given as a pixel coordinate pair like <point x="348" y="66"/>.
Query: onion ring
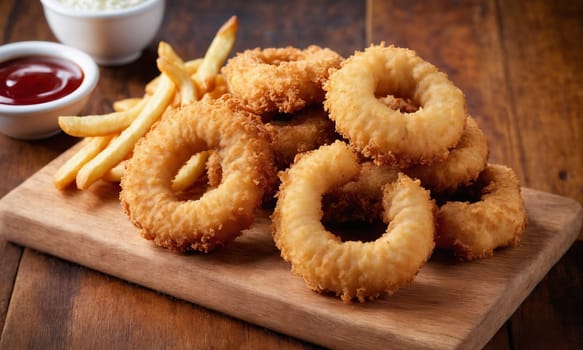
<point x="351" y="269"/>
<point x="303" y="131"/>
<point x="496" y="218"/>
<point x="462" y="166"/>
<point x="213" y="169"/>
<point x="222" y="212"/>
<point x="360" y="199"/>
<point x="404" y="105"/>
<point x="280" y="79"/>
<point x="385" y="134"/>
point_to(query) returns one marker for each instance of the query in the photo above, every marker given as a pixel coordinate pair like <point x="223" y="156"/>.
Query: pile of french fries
<point x="109" y="139"/>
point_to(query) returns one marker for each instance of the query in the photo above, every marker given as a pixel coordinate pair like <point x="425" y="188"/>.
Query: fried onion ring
<point x="354" y="101"/>
<point x="462" y="166"/>
<point x="220" y="214"/>
<point x="491" y="216"/>
<point x="299" y="132"/>
<point x="214" y="170"/>
<point x="351" y="269"/>
<point x="360" y="199"/>
<point x="280" y="79"/>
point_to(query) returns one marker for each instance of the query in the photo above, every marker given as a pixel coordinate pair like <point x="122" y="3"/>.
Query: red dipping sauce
<point x="37" y="79"/>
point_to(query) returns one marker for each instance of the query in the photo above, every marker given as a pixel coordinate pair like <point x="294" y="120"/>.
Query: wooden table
<point x="518" y="62"/>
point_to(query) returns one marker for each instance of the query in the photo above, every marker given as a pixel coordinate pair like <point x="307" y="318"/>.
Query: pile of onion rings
<point x="340" y="162"/>
<point x="382" y="136"/>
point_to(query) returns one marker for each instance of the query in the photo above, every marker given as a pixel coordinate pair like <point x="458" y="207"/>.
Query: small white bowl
<point x="40" y="120"/>
<point x="111" y="37"/>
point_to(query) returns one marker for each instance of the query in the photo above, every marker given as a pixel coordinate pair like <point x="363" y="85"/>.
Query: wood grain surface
<point x="518" y="63"/>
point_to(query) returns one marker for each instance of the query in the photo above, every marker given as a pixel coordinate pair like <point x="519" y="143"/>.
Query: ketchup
<point x="37" y="79"/>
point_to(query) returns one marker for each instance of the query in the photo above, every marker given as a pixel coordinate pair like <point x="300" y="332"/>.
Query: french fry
<point x="190" y="171"/>
<point x="216" y="54"/>
<point x="112" y="137"/>
<point x="126" y="103"/>
<point x="170" y="63"/>
<point x="119" y="148"/>
<point x="151" y="86"/>
<point x="67" y="173"/>
<point x="98" y="125"/>
<point x="190" y="66"/>
<point x="114" y="174"/>
<point x="176" y="72"/>
<point x="220" y="88"/>
<point x="166" y="50"/>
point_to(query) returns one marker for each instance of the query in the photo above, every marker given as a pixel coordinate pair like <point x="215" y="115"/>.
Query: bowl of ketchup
<point x="40" y="81"/>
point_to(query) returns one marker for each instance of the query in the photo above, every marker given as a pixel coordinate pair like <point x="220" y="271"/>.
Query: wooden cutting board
<point x="449" y="305"/>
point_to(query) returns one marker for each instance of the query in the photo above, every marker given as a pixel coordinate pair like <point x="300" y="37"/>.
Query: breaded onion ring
<point x="462" y="166"/>
<point x="302" y="131"/>
<point x="360" y="199"/>
<point x="385" y="134"/>
<point x="222" y="212"/>
<point x="351" y="269"/>
<point x="474" y="227"/>
<point x="213" y="169"/>
<point x="404" y="105"/>
<point x="280" y="79"/>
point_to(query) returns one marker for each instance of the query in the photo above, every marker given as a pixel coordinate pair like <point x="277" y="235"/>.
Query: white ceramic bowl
<point x="111" y="37"/>
<point x="40" y="120"/>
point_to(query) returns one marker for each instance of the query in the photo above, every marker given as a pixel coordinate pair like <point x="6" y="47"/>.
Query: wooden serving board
<point x="449" y="305"/>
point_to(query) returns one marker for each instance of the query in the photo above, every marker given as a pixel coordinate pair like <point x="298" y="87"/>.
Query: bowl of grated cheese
<point x="112" y="32"/>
